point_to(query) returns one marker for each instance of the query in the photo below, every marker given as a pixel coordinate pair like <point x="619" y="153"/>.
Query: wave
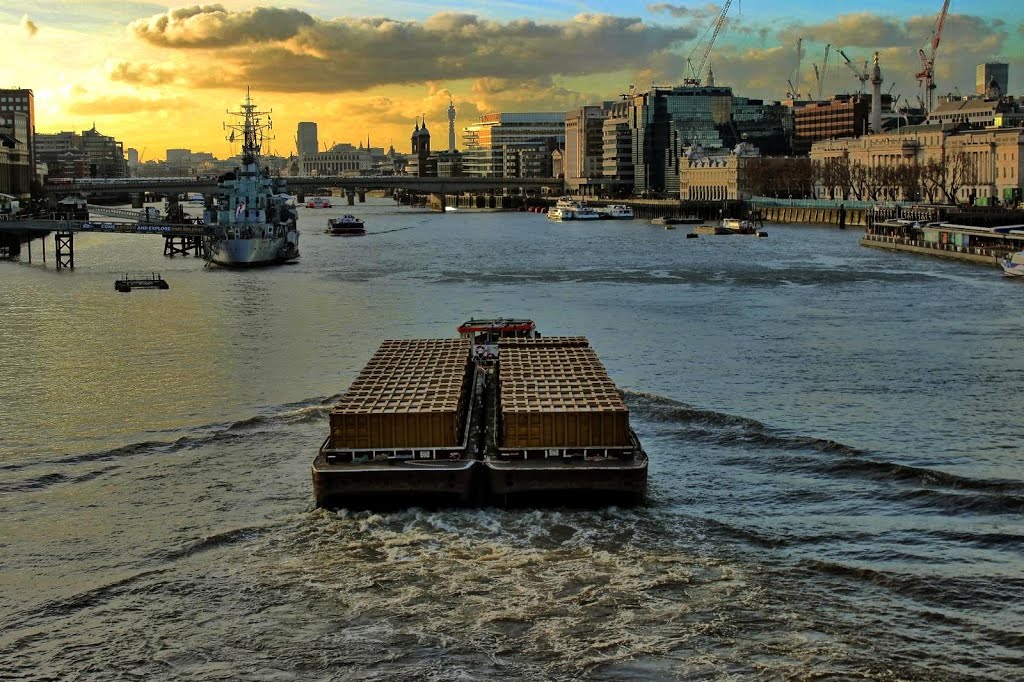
<point x="949" y="592"/>
<point x="764" y="277"/>
<point x="844" y="460"/>
<point x="301" y="412"/>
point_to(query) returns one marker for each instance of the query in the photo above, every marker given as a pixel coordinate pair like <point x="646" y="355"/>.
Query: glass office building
<point x="511" y="143"/>
<point x="666" y="121"/>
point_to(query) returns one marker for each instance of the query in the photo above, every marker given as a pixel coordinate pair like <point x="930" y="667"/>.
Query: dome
<point x="423" y="130"/>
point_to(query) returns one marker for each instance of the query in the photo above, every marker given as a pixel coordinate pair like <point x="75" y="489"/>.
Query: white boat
<point x="318" y="202"/>
<point x="616" y="212"/>
<point x="584" y="212"/>
<point x="738" y="226"/>
<point x="252" y="221"/>
<point x="1013" y="264"/>
<point x="559" y="214"/>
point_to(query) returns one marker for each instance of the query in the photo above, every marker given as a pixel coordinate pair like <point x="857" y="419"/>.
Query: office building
<point x="666" y="122"/>
<point x="22" y="100"/>
<point x="305" y="138"/>
<point x="993" y="71"/>
<point x="501" y="143"/>
<point x="583" y="160"/>
<point x="16" y="173"/>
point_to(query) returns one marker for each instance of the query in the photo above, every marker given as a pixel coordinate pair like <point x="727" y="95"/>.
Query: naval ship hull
<point x="247" y="252"/>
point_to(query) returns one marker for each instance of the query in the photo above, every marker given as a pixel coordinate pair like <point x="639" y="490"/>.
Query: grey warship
<point x="251" y="222"/>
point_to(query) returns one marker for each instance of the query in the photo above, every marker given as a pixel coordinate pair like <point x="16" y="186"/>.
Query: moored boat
<point x="711" y="229"/>
<point x="1013" y="264"/>
<point x="252" y="221"/>
<point x="615" y="212"/>
<point x="345" y="226"/>
<point x="737" y="226"/>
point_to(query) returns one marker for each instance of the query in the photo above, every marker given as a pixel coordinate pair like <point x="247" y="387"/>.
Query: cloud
<point x="686" y="12"/>
<point x="29" y="26"/>
<point x="862" y="29"/>
<point x="291" y="51"/>
<point x="142" y="74"/>
<point x="214" y="26"/>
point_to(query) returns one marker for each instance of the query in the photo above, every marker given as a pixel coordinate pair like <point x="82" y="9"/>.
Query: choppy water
<point x="836" y="479"/>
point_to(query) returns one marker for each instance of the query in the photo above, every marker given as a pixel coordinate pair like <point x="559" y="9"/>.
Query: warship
<point x="251" y="221"/>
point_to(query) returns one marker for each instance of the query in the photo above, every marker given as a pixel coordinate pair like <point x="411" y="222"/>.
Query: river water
<point x="836" y="487"/>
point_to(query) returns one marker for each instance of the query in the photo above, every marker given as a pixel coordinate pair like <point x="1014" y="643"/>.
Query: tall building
<point x="986" y="73"/>
<point x="617" y="150"/>
<point x="23" y="101"/>
<point x="841" y="116"/>
<point x="501" y="143"/>
<point x="583" y="163"/>
<point x="91" y="154"/>
<point x="451" y="126"/>
<point x="666" y="121"/>
<point x="305" y="138"/>
<point x="15" y="172"/>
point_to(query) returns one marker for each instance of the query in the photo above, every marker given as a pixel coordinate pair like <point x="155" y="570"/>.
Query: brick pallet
<point x="412" y="393"/>
<point x="555" y="393"/>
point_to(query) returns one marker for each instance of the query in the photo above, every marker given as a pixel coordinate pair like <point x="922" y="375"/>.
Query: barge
<point x="497" y="416"/>
<point x="408" y="428"/>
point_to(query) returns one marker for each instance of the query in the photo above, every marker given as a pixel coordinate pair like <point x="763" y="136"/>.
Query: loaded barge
<point x="498" y="416"/>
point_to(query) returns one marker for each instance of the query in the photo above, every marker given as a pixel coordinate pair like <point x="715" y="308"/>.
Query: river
<point x="836" y="487"/>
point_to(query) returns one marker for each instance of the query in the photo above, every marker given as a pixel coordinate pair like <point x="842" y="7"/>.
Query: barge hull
<point x="566" y="481"/>
<point x="400" y="484"/>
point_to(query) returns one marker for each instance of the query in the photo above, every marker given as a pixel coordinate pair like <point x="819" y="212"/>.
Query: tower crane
<point x="927" y="73"/>
<point x="695" y="74"/>
<point x="794" y="91"/>
<point x="862" y="74"/>
<point x="824" y="67"/>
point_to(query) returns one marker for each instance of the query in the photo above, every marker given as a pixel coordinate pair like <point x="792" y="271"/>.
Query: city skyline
<point x="130" y="68"/>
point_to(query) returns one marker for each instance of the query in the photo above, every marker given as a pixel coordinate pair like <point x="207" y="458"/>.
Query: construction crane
<point x="695" y="74"/>
<point x="927" y="73"/>
<point x="824" y="68"/>
<point x="862" y="74"/>
<point x="817" y="79"/>
<point x="794" y="92"/>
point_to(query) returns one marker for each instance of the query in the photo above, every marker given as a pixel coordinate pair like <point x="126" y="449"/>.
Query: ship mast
<point x="252" y="129"/>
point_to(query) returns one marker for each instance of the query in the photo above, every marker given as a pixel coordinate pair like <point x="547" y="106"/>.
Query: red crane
<point x="927" y="73"/>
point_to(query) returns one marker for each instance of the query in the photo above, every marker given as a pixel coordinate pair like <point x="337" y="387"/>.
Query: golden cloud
<point x="291" y="51"/>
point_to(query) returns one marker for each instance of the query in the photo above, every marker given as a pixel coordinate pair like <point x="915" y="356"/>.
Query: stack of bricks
<point x="412" y="393"/>
<point x="555" y="393"/>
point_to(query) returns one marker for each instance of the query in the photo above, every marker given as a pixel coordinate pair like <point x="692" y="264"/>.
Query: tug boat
<point x="318" y="202"/>
<point x="345" y="226"/>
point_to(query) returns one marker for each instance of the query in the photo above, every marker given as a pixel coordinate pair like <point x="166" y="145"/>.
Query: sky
<point x="157" y="75"/>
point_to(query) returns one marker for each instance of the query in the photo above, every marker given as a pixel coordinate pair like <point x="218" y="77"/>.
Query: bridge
<point x="179" y="238"/>
<point x="351" y="184"/>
